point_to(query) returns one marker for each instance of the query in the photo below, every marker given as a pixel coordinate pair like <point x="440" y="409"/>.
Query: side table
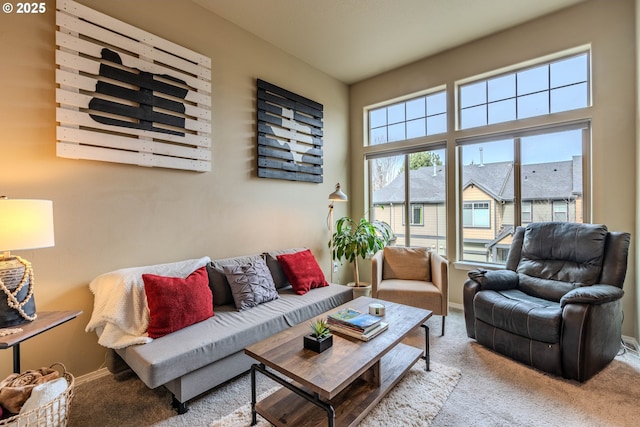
<point x="46" y="320"/>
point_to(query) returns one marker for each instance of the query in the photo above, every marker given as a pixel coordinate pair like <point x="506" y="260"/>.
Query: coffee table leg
<point x="254" y="417"/>
<point x="426" y="345"/>
<point x="313" y="398"/>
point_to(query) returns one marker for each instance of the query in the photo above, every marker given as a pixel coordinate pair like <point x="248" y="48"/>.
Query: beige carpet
<point x="415" y="401"/>
<point x="493" y="391"/>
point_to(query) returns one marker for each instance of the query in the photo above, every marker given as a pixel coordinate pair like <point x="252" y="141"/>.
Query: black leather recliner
<point x="558" y="304"/>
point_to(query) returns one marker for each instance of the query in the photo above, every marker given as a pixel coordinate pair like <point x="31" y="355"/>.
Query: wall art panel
<point x="289" y="135"/>
<point x="127" y="96"/>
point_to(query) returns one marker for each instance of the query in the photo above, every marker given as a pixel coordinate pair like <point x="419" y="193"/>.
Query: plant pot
<point x="360" y="291"/>
<point x="318" y="345"/>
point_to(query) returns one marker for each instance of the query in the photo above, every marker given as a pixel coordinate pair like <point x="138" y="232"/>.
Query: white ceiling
<point x="352" y="40"/>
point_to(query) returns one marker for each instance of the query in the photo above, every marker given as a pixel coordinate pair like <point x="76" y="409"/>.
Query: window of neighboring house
<point x="548" y="88"/>
<point x="416" y="215"/>
<point x="415" y="118"/>
<point x="560" y="210"/>
<point x="526" y="212"/>
<point x="476" y="214"/>
<point x="415" y="179"/>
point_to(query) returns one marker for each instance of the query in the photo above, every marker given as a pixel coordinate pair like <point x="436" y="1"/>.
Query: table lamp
<point x="24" y="224"/>
<point x="336" y="196"/>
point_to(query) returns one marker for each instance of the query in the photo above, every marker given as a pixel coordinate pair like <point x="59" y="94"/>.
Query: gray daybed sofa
<point x="202" y="356"/>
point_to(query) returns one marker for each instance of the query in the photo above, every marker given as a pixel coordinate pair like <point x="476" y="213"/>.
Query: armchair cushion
<point x="406" y="263"/>
<point x="596" y="294"/>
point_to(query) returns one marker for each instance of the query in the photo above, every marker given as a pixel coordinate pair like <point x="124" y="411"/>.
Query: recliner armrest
<point x="496" y="280"/>
<point x="594" y="294"/>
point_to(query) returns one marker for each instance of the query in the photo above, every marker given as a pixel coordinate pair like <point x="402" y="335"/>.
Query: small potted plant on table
<point x="352" y="240"/>
<point x="320" y="338"/>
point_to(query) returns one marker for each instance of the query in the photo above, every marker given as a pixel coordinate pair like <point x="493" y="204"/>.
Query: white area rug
<point x="415" y="401"/>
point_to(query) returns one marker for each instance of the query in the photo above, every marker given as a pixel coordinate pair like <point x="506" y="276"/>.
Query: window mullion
<point x="517" y="182"/>
<point x="407" y="196"/>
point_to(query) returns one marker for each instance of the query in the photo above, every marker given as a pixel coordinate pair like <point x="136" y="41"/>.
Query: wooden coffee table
<point x="341" y="385"/>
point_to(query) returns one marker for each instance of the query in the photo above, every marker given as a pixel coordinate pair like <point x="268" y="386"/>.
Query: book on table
<point x="354" y="320"/>
<point x="380" y="327"/>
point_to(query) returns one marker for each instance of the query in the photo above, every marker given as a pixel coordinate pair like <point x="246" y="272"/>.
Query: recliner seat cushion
<point x="561" y="252"/>
<point x="521" y="314"/>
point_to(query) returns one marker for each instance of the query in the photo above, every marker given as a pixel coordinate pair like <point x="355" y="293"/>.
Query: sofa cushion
<point x="227" y="333"/>
<point x="251" y="283"/>
<point x="218" y="281"/>
<point x="279" y="278"/>
<point x="175" y="303"/>
<point x="406" y="263"/>
<point x="521" y="314"/>
<point x="303" y="271"/>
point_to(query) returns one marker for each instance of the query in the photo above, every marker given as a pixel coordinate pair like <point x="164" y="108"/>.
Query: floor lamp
<point x="336" y="196"/>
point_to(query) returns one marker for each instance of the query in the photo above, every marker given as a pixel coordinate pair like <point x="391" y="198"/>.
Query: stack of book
<point x="352" y="322"/>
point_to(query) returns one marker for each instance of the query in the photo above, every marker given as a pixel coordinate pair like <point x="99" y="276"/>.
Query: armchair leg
<point x="443" y="318"/>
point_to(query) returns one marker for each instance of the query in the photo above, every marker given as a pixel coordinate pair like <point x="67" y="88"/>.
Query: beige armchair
<point x="411" y="276"/>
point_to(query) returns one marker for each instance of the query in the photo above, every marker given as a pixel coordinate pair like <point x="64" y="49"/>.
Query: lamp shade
<point x="25" y="224"/>
<point x="338" y="195"/>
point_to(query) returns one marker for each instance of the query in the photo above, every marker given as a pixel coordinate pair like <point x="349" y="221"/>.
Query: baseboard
<point x="631" y="344"/>
<point x="91" y="376"/>
<point x="456" y="306"/>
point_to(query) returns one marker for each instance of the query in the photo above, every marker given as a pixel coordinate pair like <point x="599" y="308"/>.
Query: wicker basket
<point x="52" y="414"/>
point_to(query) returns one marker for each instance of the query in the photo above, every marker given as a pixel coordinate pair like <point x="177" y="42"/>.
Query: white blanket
<point x="120" y="312"/>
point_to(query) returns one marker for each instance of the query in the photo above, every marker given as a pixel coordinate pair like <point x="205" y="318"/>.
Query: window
<point x="534" y="175"/>
<point x="561" y="85"/>
<point x="508" y="175"/>
<point x="414" y="179"/>
<point x="526" y="212"/>
<point x="416" y="214"/>
<point x="417" y="117"/>
<point x="476" y="214"/>
<point x="560" y="210"/>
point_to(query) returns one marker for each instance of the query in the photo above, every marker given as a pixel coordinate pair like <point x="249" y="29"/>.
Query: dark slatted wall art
<point x="289" y="135"/>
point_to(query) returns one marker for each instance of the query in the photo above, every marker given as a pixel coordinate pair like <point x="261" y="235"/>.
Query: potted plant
<point x="320" y="338"/>
<point x="352" y="240"/>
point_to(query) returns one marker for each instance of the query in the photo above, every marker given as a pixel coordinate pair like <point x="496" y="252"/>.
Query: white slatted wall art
<point x="127" y="96"/>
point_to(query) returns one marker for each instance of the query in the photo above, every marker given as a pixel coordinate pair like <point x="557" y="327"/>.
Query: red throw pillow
<point x="175" y="303"/>
<point x="303" y="271"/>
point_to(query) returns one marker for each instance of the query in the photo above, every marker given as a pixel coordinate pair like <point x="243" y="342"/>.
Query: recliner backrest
<point x="556" y="257"/>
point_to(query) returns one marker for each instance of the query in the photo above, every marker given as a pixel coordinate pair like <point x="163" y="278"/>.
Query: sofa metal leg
<point x="443" y="318"/>
<point x="180" y="407"/>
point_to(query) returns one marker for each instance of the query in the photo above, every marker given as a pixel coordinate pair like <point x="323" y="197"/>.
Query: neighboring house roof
<point x="555" y="180"/>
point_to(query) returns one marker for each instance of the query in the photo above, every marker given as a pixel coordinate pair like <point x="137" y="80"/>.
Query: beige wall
<point x="109" y="216"/>
<point x="609" y="26"/>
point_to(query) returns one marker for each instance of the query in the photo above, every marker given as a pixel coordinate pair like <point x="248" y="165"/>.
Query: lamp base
<point x="12" y="273"/>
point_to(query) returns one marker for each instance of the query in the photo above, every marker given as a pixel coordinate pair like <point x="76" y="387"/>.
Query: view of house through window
<point x="539" y="176"/>
<point x="424" y="223"/>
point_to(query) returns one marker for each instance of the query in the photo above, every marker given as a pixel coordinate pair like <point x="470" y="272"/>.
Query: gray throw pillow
<point x="251" y="283"/>
<point x="218" y="281"/>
